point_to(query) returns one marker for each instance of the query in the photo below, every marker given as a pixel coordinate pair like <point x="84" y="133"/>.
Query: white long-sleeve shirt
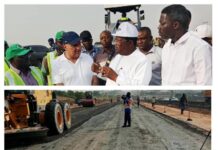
<point x="134" y="69"/>
<point x="187" y="62"/>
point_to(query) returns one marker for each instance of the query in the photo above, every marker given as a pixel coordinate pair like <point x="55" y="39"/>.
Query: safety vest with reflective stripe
<point x="6" y="66"/>
<point x="124" y="19"/>
<point x="50" y="57"/>
<point x="12" y="78"/>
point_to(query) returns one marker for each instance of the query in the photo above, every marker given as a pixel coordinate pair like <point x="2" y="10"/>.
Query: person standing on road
<point x="183" y="102"/>
<point x="153" y="101"/>
<point x="186" y="59"/>
<point x="127" y="110"/>
<point x="138" y="101"/>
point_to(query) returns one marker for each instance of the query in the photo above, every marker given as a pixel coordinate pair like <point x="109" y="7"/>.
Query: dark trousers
<point x="127" y="117"/>
<point x="182" y="110"/>
<point x="182" y="107"/>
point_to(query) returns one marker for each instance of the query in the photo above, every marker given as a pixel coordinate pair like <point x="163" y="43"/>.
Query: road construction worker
<point x="138" y="101"/>
<point x="20" y="72"/>
<point x="122" y="19"/>
<point x="48" y="59"/>
<point x="6" y="63"/>
<point x="127" y="110"/>
<point x="153" y="101"/>
<point x="182" y="103"/>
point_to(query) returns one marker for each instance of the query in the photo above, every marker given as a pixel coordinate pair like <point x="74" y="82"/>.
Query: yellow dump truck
<point x="34" y="113"/>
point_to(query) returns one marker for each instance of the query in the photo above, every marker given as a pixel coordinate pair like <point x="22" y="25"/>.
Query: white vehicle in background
<point x="169" y="99"/>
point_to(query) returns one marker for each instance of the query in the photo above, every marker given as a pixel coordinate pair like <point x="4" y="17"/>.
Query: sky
<point x="34" y="24"/>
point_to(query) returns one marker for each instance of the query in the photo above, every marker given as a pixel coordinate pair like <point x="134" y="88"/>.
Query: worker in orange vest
<point x="127" y="110"/>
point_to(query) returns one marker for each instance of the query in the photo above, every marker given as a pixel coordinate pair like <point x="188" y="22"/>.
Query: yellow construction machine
<point x="35" y="113"/>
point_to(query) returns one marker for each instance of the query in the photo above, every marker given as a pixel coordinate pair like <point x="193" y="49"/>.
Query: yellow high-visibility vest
<point x="124" y="19"/>
<point x="6" y="66"/>
<point x="50" y="57"/>
<point x="12" y="78"/>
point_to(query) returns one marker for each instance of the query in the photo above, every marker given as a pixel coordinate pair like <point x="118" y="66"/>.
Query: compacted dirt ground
<point x="200" y="118"/>
<point x="149" y="131"/>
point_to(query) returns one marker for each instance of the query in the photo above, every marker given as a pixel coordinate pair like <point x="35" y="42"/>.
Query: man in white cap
<point x="129" y="66"/>
<point x="204" y="31"/>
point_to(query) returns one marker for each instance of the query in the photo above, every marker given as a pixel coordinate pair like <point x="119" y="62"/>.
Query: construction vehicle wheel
<point x="54" y="118"/>
<point x="67" y="115"/>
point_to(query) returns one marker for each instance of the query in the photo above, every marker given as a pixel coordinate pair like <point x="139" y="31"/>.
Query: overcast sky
<point x="34" y="24"/>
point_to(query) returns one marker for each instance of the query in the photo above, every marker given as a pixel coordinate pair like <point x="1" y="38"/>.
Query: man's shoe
<point x="123" y="126"/>
<point x="129" y="126"/>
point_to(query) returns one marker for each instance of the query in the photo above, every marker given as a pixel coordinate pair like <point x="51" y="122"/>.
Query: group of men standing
<point x="185" y="59"/>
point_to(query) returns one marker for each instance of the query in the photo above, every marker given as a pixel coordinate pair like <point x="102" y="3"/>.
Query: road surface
<point x="149" y="131"/>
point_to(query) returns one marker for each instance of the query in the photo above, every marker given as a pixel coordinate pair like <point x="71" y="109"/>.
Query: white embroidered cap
<point x="126" y="29"/>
